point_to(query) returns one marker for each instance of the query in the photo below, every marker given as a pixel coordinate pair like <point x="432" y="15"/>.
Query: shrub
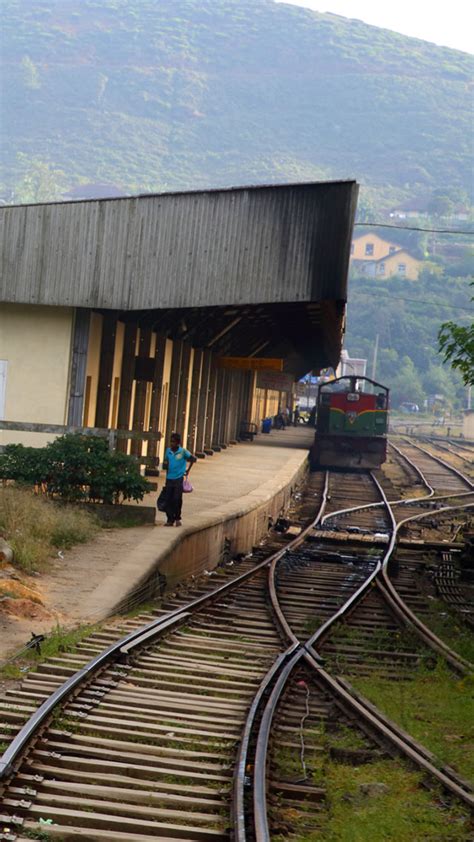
<point x="74" y="468"/>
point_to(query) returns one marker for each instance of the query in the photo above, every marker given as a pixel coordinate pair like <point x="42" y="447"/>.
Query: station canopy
<point x="251" y="271"/>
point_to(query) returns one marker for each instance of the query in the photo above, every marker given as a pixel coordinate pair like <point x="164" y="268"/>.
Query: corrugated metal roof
<point x="248" y="245"/>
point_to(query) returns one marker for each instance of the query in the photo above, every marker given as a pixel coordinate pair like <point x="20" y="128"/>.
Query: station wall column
<point x="139" y="403"/>
<point x="106" y="364"/>
<point x="126" y="381"/>
<point x="77" y="378"/>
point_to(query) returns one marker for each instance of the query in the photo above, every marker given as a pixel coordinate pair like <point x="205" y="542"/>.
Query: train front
<point x="351" y="424"/>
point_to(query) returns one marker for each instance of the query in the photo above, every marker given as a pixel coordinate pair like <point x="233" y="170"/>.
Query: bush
<point x="75" y="468"/>
<point x="35" y="526"/>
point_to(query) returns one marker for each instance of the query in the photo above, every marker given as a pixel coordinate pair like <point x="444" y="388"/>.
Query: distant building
<point x="93" y="190"/>
<point x="351" y="365"/>
<point x="413" y="209"/>
<point x="468" y="424"/>
<point x="376" y="257"/>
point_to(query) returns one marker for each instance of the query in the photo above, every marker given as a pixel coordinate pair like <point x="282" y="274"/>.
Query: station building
<point x="170" y="312"/>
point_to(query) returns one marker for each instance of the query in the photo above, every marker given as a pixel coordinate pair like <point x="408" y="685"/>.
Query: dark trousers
<point x="174" y="499"/>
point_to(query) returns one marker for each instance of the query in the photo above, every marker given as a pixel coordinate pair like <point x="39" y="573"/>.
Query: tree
<point x="440" y="205"/>
<point x="406" y="386"/>
<point x="457" y="345"/>
<point x="30" y="74"/>
<point x="39" y="182"/>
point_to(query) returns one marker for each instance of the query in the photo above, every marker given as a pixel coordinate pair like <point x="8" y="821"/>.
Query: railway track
<point x="155" y="737"/>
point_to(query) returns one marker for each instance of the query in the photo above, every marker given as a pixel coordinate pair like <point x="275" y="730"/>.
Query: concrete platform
<point x="235" y="493"/>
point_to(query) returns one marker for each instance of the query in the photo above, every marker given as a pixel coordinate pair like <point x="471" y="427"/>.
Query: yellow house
<point x="379" y="258"/>
<point x="398" y="263"/>
<point x="372" y="247"/>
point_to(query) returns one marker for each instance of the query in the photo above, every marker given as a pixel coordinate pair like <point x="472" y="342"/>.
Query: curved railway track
<point x="140" y="742"/>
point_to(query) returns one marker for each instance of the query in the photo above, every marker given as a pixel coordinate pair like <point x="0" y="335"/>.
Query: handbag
<point x="162" y="499"/>
<point x="187" y="487"/>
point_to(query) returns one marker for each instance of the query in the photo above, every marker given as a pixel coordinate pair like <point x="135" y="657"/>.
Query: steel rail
<point x="446" y="465"/>
<point x="124" y="645"/>
<point x="271" y="583"/>
<point x="243" y="757"/>
<point x="358" y="706"/>
<point x="260" y="811"/>
<point x="127" y="643"/>
<point x="350" y="701"/>
<point x="391" y="594"/>
<point x="353" y="600"/>
<point x="391" y="732"/>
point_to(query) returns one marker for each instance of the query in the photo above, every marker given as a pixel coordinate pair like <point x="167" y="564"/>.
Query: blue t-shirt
<point x="176" y="462"/>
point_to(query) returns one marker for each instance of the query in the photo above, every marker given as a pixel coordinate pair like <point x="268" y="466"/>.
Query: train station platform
<point x="236" y="492"/>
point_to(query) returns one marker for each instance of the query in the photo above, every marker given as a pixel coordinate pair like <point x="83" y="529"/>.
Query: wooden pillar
<point x="231" y="406"/>
<point x="157" y="391"/>
<point x="172" y="414"/>
<point x="219" y="404"/>
<point x="196" y="375"/>
<point x="106" y="364"/>
<point x="126" y="381"/>
<point x="140" y="391"/>
<point x="240" y="405"/>
<point x="203" y="399"/>
<point x="210" y="411"/>
<point x="183" y="389"/>
<point x="77" y="384"/>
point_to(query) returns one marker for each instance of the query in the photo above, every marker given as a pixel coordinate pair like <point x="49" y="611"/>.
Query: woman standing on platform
<point x="174" y="464"/>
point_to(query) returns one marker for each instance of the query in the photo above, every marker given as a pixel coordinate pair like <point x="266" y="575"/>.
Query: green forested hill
<point x="170" y="94"/>
<point x="406" y="317"/>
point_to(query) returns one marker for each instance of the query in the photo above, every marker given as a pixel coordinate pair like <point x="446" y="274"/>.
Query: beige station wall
<point x="35" y="342"/>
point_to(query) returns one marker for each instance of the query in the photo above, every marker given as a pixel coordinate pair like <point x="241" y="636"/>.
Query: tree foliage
<point x="456" y="343"/>
<point x="407" y="318"/>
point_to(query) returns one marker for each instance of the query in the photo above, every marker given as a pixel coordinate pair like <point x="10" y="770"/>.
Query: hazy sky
<point x="445" y="23"/>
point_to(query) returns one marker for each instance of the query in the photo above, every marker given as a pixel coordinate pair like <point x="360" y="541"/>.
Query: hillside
<point x="150" y="95"/>
<point x="406" y="317"/>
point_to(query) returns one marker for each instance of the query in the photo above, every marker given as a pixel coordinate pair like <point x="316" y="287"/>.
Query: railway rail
<point x="161" y="728"/>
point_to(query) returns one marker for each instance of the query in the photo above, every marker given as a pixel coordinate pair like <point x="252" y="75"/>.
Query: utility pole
<point x="376" y="350"/>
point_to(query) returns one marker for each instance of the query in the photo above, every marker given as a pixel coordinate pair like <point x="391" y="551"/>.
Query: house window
<point x="392" y="249"/>
<point x="402" y="268"/>
<point x="382" y="268"/>
<point x="369" y="249"/>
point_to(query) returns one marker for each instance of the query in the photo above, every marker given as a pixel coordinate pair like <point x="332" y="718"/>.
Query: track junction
<point x="177" y="723"/>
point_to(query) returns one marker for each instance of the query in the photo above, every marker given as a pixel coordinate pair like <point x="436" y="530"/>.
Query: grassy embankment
<point x="36" y="527"/>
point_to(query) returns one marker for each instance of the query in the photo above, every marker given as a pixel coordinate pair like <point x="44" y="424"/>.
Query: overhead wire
<point x="415" y="228"/>
<point x="415" y="300"/>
